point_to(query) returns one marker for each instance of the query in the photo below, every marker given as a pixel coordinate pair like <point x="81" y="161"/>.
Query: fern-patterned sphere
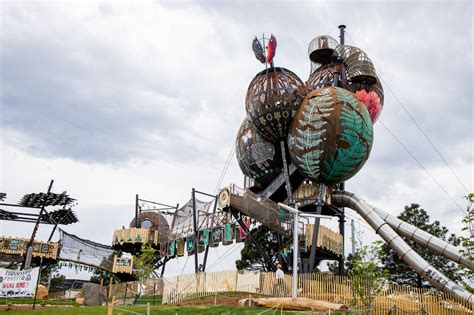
<point x="331" y="135"/>
<point x="258" y="159"/>
<point x="273" y="98"/>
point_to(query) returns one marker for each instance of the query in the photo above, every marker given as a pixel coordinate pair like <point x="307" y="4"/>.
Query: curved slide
<point x="384" y="229"/>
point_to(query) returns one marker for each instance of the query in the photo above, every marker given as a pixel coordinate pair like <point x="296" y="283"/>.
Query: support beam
<point x="136" y="211"/>
<point x="209" y="241"/>
<point x="314" y="241"/>
<point x="254" y="241"/>
<point x="195" y="241"/>
<point x="287" y="175"/>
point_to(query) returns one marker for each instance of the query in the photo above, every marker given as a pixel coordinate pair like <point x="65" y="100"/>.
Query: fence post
<point x="154" y="292"/>
<point x="110" y="307"/>
<point x="423" y="310"/>
<point x="125" y="295"/>
<point x="395" y="310"/>
<point x="147" y="308"/>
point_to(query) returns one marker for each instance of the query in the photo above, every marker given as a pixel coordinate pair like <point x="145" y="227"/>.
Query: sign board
<point x="18" y="283"/>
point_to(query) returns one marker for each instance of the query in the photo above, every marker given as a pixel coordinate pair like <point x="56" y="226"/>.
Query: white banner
<point x="18" y="283"/>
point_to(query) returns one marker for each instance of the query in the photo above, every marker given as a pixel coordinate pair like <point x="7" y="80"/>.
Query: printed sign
<point x="18" y="283"/>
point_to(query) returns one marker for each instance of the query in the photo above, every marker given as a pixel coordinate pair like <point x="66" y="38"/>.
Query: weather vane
<point x="265" y="57"/>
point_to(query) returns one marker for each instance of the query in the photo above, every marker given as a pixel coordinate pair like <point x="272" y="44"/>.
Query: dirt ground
<point x="226" y="299"/>
<point x="19" y="307"/>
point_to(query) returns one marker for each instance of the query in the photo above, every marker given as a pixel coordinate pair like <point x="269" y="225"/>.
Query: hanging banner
<point x="228" y="232"/>
<point x="204" y="237"/>
<point x="18" y="283"/>
<point x="216" y="236"/>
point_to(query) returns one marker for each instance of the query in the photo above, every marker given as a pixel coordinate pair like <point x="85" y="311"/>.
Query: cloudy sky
<point x="114" y="98"/>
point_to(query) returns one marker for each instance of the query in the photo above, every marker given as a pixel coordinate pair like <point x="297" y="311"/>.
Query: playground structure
<point x="297" y="146"/>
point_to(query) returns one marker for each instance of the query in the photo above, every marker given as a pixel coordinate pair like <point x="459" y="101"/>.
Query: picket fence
<point x="330" y="288"/>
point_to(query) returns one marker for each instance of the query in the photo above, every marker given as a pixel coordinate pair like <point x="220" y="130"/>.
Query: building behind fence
<point x="330" y="288"/>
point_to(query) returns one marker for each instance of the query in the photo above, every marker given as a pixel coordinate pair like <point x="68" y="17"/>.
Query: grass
<point x="171" y="310"/>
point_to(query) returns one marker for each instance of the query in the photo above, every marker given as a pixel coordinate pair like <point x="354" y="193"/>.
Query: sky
<point x="116" y="98"/>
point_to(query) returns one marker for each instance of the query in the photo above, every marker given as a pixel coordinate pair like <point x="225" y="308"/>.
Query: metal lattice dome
<point x="257" y="158"/>
<point x="359" y="66"/>
<point x="321" y="50"/>
<point x="331" y="135"/>
<point x="273" y="98"/>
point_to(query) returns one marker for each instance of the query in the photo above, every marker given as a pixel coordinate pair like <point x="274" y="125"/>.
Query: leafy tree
<point x="400" y="272"/>
<point x="467" y="244"/>
<point x="368" y="278"/>
<point x="348" y="264"/>
<point x="144" y="262"/>
<point x="56" y="284"/>
<point x="250" y="258"/>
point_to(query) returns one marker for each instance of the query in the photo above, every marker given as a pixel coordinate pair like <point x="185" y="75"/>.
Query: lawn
<point x="161" y="309"/>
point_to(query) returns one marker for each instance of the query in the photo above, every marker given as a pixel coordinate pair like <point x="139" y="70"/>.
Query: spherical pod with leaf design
<point x="273" y="98"/>
<point x="331" y="135"/>
<point x="257" y="158"/>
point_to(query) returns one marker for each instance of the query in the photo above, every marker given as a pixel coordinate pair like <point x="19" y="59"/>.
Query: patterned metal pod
<point x="324" y="76"/>
<point x="321" y="51"/>
<point x="257" y="158"/>
<point x="273" y="97"/>
<point x="359" y="65"/>
<point x="331" y="135"/>
<point x="371" y="95"/>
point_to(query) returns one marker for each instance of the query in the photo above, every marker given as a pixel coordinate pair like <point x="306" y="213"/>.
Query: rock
<point x="42" y="292"/>
<point x="92" y="294"/>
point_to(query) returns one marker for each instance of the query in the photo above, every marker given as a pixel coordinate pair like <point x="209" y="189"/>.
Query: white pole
<point x="295" y="254"/>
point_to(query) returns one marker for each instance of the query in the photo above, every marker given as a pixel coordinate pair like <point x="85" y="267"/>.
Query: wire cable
<point x="420" y="129"/>
<point x="226" y="167"/>
<point x="423" y="167"/>
<point x="432" y="144"/>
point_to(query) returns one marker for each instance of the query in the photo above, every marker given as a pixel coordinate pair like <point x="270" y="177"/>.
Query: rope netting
<point x="76" y="249"/>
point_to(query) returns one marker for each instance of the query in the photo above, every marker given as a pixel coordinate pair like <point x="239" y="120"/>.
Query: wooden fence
<point x="330" y="288"/>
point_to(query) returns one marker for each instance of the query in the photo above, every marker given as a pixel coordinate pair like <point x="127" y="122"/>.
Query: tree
<point x="348" y="264"/>
<point x="250" y="258"/>
<point x="144" y="263"/>
<point x="400" y="272"/>
<point x="368" y="277"/>
<point x="467" y="244"/>
<point x="56" y="284"/>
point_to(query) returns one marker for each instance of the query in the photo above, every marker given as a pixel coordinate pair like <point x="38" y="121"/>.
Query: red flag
<point x="271" y="48"/>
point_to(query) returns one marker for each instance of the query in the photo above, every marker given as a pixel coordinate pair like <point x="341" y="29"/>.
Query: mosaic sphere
<point x="331" y="135"/>
<point x="257" y="158"/>
<point x="273" y="98"/>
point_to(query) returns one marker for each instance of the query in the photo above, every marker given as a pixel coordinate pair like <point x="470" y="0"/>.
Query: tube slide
<point x="424" y="238"/>
<point x="415" y="261"/>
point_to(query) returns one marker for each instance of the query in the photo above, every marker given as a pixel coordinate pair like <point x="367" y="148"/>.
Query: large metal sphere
<point x="331" y="135"/>
<point x="273" y="97"/>
<point x="258" y="159"/>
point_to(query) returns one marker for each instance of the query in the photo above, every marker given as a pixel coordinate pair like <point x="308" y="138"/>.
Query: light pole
<point x="295" y="213"/>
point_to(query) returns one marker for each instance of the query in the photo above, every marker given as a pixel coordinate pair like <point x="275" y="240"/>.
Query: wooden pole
<point x="110" y="307"/>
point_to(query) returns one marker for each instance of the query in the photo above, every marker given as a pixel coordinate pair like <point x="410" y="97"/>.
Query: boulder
<point x="42" y="292"/>
<point x="92" y="294"/>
